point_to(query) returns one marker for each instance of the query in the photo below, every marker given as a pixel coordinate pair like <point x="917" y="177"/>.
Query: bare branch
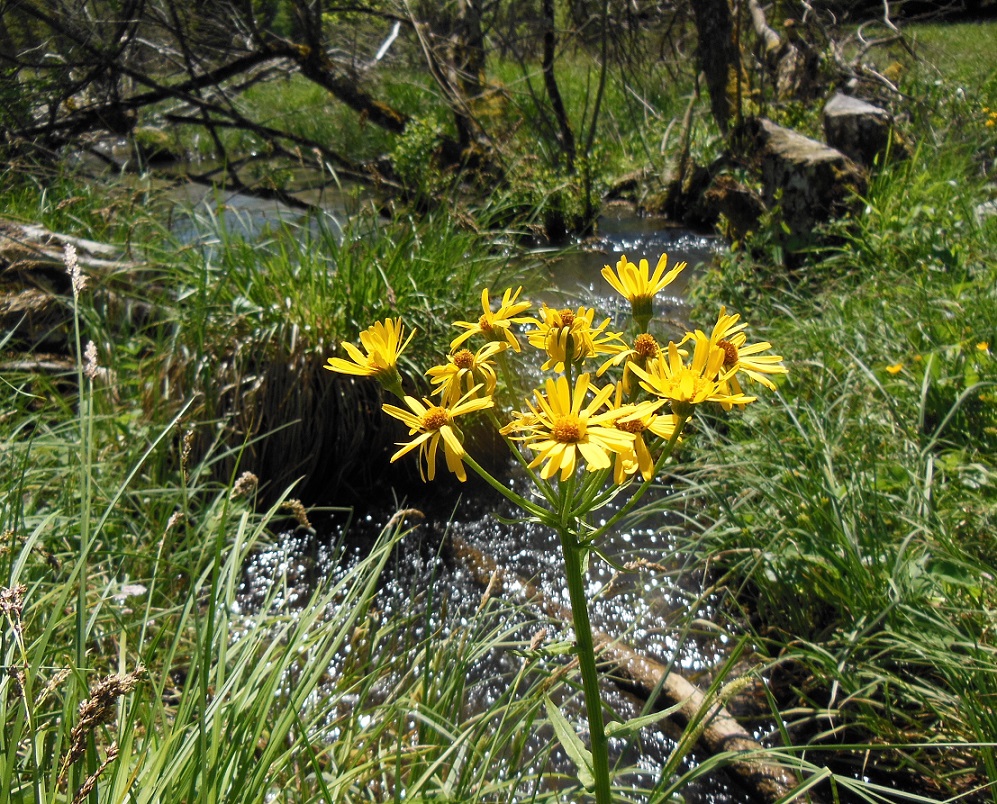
<point x="771" y="41"/>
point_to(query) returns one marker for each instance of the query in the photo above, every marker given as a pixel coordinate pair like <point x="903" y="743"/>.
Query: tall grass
<point x="185" y="691"/>
<point x="141" y="667"/>
<point x="850" y="522"/>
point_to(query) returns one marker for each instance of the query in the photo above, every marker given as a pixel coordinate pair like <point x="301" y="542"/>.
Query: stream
<point x="651" y="610"/>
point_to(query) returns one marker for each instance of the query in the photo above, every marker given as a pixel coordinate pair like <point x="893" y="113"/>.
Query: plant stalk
<point x="585" y="651"/>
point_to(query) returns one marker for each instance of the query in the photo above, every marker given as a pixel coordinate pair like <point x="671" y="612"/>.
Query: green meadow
<point x="843" y="527"/>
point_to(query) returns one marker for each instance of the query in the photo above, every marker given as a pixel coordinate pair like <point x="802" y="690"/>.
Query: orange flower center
<point x="635" y="426"/>
<point x="646" y="346"/>
<point x="485" y="322"/>
<point x="567" y="317"/>
<point x="435" y="418"/>
<point x="464" y="359"/>
<point x="730" y="353"/>
<point x="567" y="429"/>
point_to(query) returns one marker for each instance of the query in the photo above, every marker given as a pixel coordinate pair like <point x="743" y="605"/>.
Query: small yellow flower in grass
<point x="569" y="336"/>
<point x="984" y="347"/>
<point x="383" y="344"/>
<point x="638" y="420"/>
<point x="465" y="369"/>
<point x="561" y="427"/>
<point x="729" y="335"/>
<point x="896" y="368"/>
<point x="497" y="325"/>
<point x="435" y="423"/>
<point x="689" y="385"/>
<point x="637" y="285"/>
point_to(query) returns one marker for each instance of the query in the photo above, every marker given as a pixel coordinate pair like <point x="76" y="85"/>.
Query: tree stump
<point x="809" y="181"/>
<point x="859" y="130"/>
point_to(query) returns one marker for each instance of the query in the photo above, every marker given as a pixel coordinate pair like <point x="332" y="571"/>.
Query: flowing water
<point x="652" y="611"/>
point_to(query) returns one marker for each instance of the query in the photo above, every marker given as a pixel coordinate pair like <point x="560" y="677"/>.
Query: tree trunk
<point x="566" y="136"/>
<point x="718" y="57"/>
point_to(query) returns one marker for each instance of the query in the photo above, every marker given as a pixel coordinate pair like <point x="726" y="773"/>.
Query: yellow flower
<point x="640" y="419"/>
<point x="559" y="429"/>
<point x="688" y="386"/>
<point x="569" y="337"/>
<point x="434" y="423"/>
<point x="495" y="326"/>
<point x="729" y="335"/>
<point x="896" y="368"/>
<point x="983" y="346"/>
<point x="382" y="344"/>
<point x="644" y="348"/>
<point x="464" y="370"/>
<point x="633" y="282"/>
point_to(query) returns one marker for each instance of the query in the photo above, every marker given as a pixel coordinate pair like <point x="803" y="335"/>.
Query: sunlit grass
<point x="964" y="53"/>
<point x="848" y="522"/>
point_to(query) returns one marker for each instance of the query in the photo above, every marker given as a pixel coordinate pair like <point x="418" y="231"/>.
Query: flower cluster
<point x="625" y="423"/>
<point x="612" y="408"/>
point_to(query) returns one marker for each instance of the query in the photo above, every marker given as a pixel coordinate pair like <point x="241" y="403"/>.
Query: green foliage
<point x="862" y="555"/>
<point x="414" y="157"/>
<point x="751" y="273"/>
<point x="862" y="549"/>
<point x="802" y="117"/>
<point x="550" y="199"/>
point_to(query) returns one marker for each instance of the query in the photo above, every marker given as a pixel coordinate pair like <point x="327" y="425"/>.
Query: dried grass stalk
<point x="96" y="710"/>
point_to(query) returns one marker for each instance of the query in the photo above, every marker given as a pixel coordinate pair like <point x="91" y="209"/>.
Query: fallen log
<point x="35" y="285"/>
<point x="719" y="732"/>
<point x="29" y="247"/>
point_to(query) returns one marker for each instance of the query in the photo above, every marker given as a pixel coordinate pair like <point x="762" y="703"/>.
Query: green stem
<point x="540" y="484"/>
<point x="585" y="650"/>
<point x="541" y="513"/>
<point x="511" y="387"/>
<point x="86" y="416"/>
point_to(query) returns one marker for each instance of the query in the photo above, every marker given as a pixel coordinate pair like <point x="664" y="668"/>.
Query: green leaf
<point x="562" y="648"/>
<point x="955" y="573"/>
<point x="572" y="744"/>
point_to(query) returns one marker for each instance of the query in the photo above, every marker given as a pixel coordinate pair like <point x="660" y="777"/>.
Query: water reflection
<point x="201" y="212"/>
<point x="439" y="599"/>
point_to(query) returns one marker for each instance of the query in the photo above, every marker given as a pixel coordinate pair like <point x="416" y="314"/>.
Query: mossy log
<point x="719" y="731"/>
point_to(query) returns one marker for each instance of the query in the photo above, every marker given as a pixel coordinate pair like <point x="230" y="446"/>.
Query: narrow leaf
<point x="572" y="744"/>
